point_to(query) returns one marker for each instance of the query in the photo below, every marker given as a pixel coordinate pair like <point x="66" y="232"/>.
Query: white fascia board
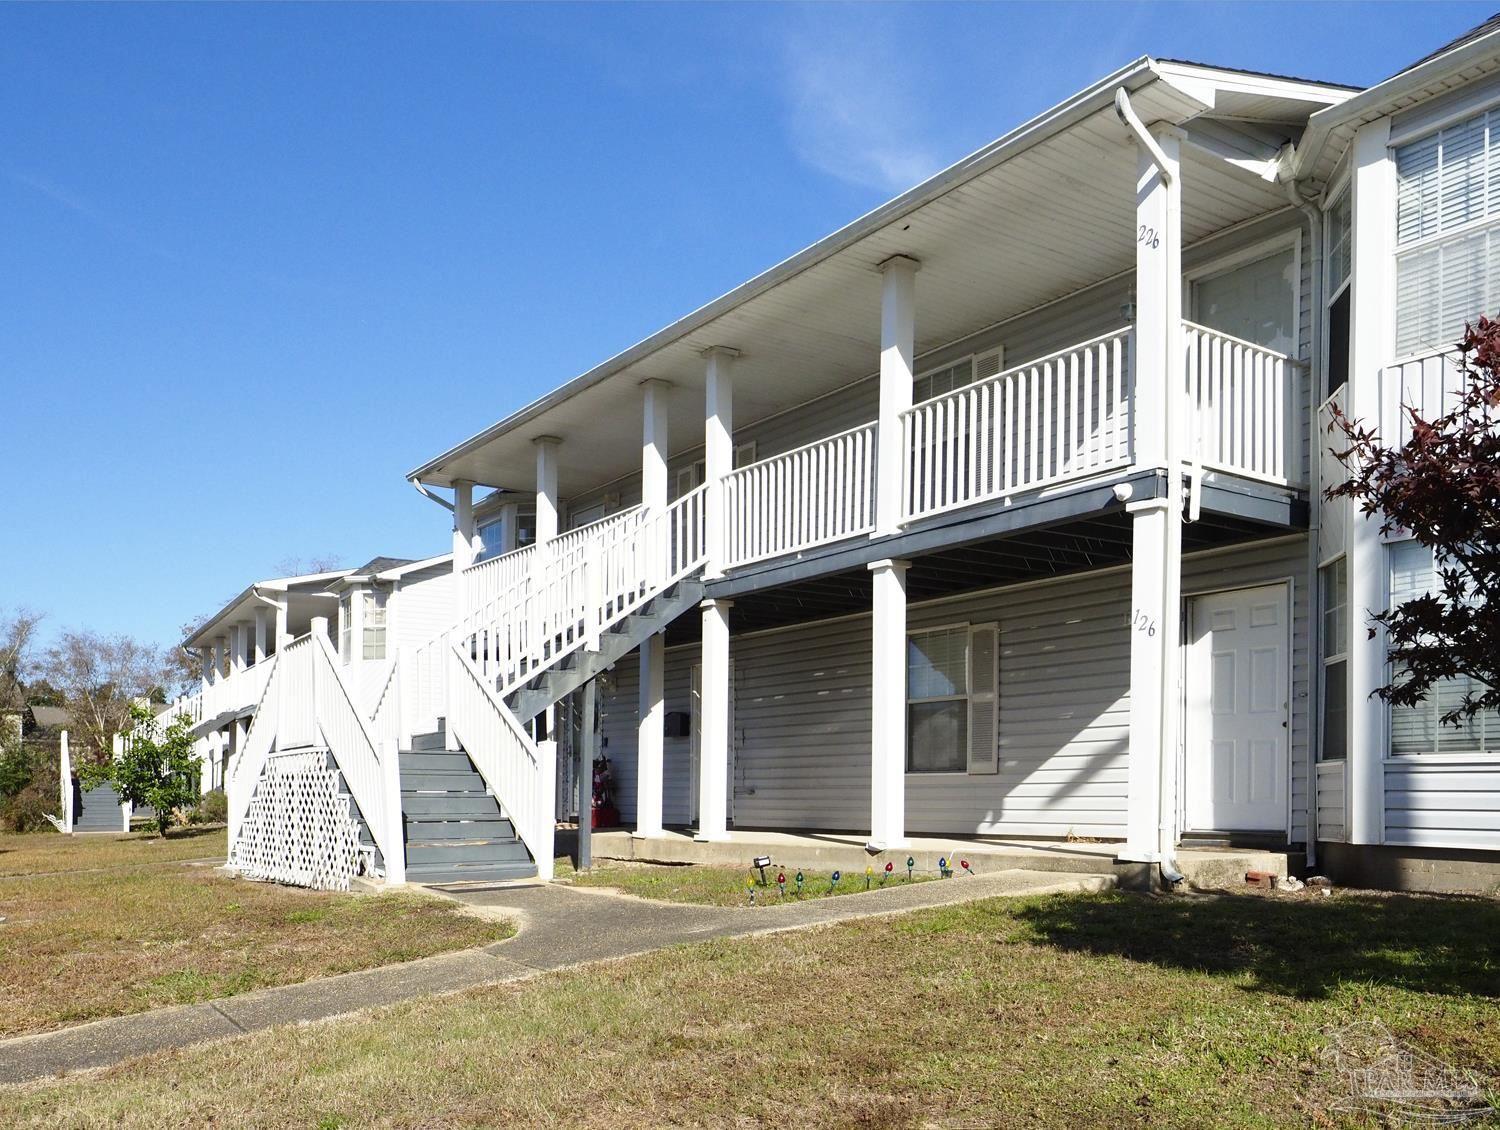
<point x="1099" y="96"/>
<point x="1204" y="83"/>
<point x="1385" y="97"/>
<point x="414" y="566"/>
<point x="274" y="584"/>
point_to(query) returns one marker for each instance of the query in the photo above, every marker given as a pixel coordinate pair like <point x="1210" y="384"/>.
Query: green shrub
<point x="213" y="808"/>
<point x="27" y="810"/>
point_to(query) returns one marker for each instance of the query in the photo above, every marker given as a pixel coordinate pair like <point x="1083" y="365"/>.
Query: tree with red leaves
<point x="1442" y="486"/>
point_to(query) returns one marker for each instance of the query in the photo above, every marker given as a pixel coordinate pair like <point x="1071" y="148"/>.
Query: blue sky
<point x="256" y="262"/>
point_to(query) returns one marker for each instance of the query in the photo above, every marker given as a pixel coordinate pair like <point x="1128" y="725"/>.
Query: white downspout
<point x="1314" y="510"/>
<point x="1166" y="822"/>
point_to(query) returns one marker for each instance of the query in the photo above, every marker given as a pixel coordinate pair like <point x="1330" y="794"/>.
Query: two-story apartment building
<point x="996" y="513"/>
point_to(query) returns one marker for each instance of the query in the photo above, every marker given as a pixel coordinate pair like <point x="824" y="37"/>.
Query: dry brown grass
<point x="106" y="926"/>
<point x="1067" y="1011"/>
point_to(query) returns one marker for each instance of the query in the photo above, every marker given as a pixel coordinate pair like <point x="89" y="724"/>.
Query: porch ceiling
<point x="1046" y="211"/>
<point x="1101" y="541"/>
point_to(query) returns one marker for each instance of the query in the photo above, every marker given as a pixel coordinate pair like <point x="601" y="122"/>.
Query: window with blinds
<point x="952" y="700"/>
<point x="1447" y="233"/>
<point x="374" y="626"/>
<point x="976" y="367"/>
<point x="1416" y="729"/>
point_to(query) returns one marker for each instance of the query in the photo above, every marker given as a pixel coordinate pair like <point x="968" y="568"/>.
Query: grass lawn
<point x="722" y="886"/>
<point x="1068" y="1011"/>
<point x="108" y="925"/>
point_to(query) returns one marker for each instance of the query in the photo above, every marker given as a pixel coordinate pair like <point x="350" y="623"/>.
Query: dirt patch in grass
<point x="109" y="937"/>
<point x="727" y="886"/>
<point x="1068" y="1011"/>
<point x="35" y="853"/>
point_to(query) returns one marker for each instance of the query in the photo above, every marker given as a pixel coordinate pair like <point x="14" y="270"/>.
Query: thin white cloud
<point x="855" y="109"/>
<point x="91" y="212"/>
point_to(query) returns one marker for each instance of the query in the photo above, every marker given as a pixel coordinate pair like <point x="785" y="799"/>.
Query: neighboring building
<point x="995" y="513"/>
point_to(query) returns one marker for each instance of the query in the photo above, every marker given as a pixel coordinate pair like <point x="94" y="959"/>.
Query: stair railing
<point x="260" y="740"/>
<point x="521" y="773"/>
<point x="367" y="768"/>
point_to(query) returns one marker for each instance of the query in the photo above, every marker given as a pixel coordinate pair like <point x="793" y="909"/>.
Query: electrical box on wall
<point x="677" y="724"/>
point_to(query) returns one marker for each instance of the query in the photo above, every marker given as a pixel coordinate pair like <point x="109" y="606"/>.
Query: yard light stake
<point x="943" y="867"/>
<point x="886" y="874"/>
<point x="799" y="884"/>
<point x="750" y="888"/>
<point x="837" y="875"/>
<point x="868" y="872"/>
<point x="910" y="865"/>
<point x="781" y="883"/>
<point x="964" y="863"/>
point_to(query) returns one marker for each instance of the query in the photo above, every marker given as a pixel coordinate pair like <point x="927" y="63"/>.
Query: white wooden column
<point x="888" y="704"/>
<point x="547" y="503"/>
<point x="206" y="657"/>
<point x="510" y="527"/>
<point x="898" y="327"/>
<point x="651" y="716"/>
<point x="718" y="450"/>
<point x="240" y="731"/>
<point x="262" y="633"/>
<point x="1372" y="346"/>
<point x="1156" y="523"/>
<point x="713" y="722"/>
<point x="239" y="649"/>
<point x="650" y="737"/>
<point x="221" y="654"/>
<point x="463" y="542"/>
<point x="356" y="625"/>
<point x="283" y="627"/>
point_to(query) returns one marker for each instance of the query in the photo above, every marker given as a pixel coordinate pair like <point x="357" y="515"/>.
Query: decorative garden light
<point x="750" y="888"/>
<point x="837" y="875"/>
<point x="910" y="866"/>
<point x="886" y="874"/>
<point x="781" y="883"/>
<point x="868" y="872"/>
<point x="943" y="867"/>
<point x="964" y="863"/>
<point x="799" y="884"/>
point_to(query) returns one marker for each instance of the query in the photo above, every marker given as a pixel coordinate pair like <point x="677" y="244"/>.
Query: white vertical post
<point x="393" y="850"/>
<point x="546" y="788"/>
<point x="510" y="527"/>
<point x="221" y="655"/>
<point x="283" y="629"/>
<point x="718" y="450"/>
<point x="356" y="625"/>
<point x="713" y="720"/>
<point x="888" y="704"/>
<point x="651" y="717"/>
<point x="463" y="542"/>
<point x="1372" y="346"/>
<point x="898" y="327"/>
<point x="237" y="649"/>
<point x="238" y="733"/>
<point x="547" y="502"/>
<point x="206" y="657"/>
<point x="1156" y="559"/>
<point x="65" y="777"/>
<point x="262" y="633"/>
<point x="654" y="394"/>
<point x="650" y="738"/>
<point x="117" y="751"/>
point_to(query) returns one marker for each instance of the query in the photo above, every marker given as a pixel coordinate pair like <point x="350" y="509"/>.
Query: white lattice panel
<point x="298" y="829"/>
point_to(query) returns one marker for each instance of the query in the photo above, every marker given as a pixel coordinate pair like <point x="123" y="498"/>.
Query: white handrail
<point x="485" y="580"/>
<point x="1059" y="417"/>
<point x="1243" y="400"/>
<point x="818" y="493"/>
<point x="521" y="773"/>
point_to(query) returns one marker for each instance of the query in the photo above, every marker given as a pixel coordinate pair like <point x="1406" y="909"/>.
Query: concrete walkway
<point x="558" y="927"/>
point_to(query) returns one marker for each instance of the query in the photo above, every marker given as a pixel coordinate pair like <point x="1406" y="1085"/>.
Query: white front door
<point x="1238" y="739"/>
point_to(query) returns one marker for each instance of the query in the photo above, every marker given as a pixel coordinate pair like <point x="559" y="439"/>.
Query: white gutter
<point x="1132" y="121"/>
<point x="426" y="493"/>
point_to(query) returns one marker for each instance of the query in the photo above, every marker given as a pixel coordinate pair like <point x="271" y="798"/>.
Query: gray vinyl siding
<point x="617" y="728"/>
<point x="1442" y="803"/>
<point x="1078" y="317"/>
<point x="1332" y="818"/>
<point x="802" y="710"/>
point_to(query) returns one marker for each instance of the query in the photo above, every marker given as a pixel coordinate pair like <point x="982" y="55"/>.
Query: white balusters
<point x="1059" y="417"/>
<point x="1243" y="404"/>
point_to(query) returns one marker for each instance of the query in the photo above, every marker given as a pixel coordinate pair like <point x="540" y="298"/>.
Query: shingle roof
<point x="50" y="716"/>
<point x="381" y="564"/>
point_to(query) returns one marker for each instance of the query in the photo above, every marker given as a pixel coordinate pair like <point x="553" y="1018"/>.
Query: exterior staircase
<point x="579" y="665"/>
<point x="97" y="809"/>
<point x="455" y="829"/>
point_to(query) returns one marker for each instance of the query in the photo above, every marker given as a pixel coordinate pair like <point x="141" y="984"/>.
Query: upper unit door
<point x="1237" y="711"/>
<point x="1256" y="301"/>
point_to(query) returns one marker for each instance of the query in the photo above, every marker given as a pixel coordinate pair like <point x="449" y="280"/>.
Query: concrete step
<point x="470" y="872"/>
<point x="433" y="740"/>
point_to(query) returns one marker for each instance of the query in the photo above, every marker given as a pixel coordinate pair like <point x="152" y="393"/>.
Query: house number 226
<point x="1143" y="623"/>
<point x="1148" y="237"/>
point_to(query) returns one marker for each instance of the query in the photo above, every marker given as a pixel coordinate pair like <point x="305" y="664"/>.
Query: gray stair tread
<point x="477" y="873"/>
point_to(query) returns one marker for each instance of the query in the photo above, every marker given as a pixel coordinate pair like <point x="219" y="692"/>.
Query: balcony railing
<point x="1065" y="416"/>
<point x="1244" y="401"/>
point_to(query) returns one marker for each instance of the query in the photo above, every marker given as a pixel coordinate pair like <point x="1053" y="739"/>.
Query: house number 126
<point x="1144" y="623"/>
